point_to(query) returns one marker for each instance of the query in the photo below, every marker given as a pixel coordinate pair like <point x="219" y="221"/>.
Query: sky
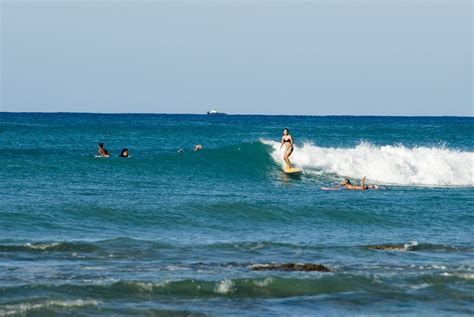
<point x="242" y="57"/>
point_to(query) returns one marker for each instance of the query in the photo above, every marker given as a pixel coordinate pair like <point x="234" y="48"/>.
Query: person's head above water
<point x="101" y="144"/>
<point x="346" y="182"/>
<point x="124" y="152"/>
<point x="286" y="131"/>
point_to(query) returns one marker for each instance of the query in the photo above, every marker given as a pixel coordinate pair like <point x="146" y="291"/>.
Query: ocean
<point x="223" y="231"/>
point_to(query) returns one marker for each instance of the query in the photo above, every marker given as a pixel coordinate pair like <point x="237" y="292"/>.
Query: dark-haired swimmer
<point x="124" y="153"/>
<point x="348" y="185"/>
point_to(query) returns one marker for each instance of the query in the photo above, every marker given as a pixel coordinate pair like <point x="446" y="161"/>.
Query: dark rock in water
<point x="307" y="267"/>
<point x="388" y="247"/>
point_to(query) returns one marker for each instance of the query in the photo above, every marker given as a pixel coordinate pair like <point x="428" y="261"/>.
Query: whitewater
<point x="387" y="164"/>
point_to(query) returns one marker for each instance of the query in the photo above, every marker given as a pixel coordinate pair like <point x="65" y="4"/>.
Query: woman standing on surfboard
<point x="287" y="140"/>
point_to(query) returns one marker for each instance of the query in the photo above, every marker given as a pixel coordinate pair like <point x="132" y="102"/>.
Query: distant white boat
<point x="214" y="112"/>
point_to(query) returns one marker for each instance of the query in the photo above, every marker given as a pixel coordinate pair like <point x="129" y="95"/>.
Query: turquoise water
<point x="167" y="233"/>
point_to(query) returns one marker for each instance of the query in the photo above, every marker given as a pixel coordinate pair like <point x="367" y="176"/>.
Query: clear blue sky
<point x="285" y="57"/>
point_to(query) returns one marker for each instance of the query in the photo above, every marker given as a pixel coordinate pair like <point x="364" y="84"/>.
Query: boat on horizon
<point x="214" y="112"/>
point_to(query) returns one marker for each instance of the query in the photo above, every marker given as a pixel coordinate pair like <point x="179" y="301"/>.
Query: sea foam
<point x="225" y="286"/>
<point x="25" y="308"/>
<point x="387" y="164"/>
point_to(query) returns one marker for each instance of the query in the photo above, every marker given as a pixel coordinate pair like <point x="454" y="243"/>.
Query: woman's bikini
<point x="290" y="146"/>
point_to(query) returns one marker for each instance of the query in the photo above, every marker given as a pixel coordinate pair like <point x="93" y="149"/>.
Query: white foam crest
<point x="23" y="308"/>
<point x="147" y="286"/>
<point x="42" y="246"/>
<point x="408" y="246"/>
<point x="419" y="286"/>
<point x="224" y="286"/>
<point x="143" y="286"/>
<point x="467" y="276"/>
<point x="265" y="282"/>
<point x="388" y="164"/>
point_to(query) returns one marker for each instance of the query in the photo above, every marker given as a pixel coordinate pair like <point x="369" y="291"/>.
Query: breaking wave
<point x="388" y="164"/>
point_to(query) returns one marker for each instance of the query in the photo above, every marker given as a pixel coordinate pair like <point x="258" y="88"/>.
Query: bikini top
<point x="288" y="140"/>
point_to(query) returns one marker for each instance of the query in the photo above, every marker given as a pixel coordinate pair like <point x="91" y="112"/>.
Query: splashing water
<point x="389" y="164"/>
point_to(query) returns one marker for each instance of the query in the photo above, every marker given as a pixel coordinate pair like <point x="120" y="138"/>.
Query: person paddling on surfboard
<point x="102" y="151"/>
<point x="348" y="185"/>
<point x="198" y="147"/>
<point x="287" y="140"/>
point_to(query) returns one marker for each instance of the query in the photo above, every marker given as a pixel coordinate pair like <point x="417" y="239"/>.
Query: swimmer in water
<point x="102" y="151"/>
<point x="198" y="147"/>
<point x="348" y="185"/>
<point x="124" y="153"/>
<point x="287" y="140"/>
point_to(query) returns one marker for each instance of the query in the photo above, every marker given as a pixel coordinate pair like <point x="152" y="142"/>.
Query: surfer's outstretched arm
<point x="364" y="186"/>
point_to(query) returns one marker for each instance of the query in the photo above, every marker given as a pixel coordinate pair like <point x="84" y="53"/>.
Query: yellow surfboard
<point x="292" y="170"/>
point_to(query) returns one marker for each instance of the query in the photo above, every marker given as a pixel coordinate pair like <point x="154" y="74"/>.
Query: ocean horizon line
<point x="235" y="114"/>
